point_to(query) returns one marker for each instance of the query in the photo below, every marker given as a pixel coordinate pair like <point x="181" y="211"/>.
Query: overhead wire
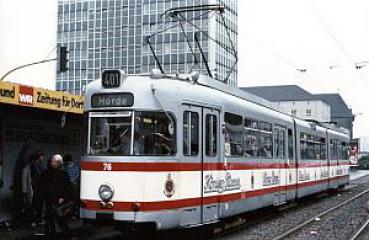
<point x="183" y="19"/>
<point x="325" y="24"/>
<point x="334" y="36"/>
<point x="51" y="51"/>
<point x="230" y="49"/>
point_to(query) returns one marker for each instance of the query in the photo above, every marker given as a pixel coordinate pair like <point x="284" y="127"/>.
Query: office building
<point x="105" y="34"/>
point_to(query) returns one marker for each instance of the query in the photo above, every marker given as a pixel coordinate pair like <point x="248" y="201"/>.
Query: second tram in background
<point x="183" y="152"/>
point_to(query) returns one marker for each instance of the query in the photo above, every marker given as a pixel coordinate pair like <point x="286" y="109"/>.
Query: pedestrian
<point x="37" y="167"/>
<point x="57" y="193"/>
<point x="73" y="174"/>
<point x="20" y="164"/>
<point x="72" y="170"/>
<point x="27" y="189"/>
<point x="36" y="171"/>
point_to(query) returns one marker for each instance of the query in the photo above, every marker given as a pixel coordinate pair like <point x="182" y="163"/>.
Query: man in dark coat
<point x="55" y="190"/>
<point x="37" y="169"/>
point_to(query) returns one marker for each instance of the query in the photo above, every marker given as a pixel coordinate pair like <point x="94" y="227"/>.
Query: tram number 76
<point x="107" y="166"/>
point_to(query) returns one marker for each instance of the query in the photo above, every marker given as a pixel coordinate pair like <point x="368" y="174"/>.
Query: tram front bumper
<point x="106" y="215"/>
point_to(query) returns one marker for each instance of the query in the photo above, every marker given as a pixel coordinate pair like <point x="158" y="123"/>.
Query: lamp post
<point x="24" y="66"/>
<point x="62" y="59"/>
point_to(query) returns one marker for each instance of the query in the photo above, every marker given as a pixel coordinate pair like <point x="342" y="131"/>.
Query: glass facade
<point x="102" y="34"/>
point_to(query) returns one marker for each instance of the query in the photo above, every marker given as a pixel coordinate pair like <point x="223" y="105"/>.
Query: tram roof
<point x="137" y="82"/>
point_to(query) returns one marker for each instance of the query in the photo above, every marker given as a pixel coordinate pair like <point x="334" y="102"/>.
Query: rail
<point x="311" y="220"/>
<point x="360" y="231"/>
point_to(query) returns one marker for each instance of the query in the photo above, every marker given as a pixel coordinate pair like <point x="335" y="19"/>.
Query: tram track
<point x="319" y="216"/>
<point x="360" y="231"/>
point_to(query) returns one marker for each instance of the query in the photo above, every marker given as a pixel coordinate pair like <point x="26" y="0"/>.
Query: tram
<point x="181" y="152"/>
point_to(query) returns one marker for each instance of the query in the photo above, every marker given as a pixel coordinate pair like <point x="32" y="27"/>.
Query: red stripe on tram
<point x="175" y="166"/>
<point x="193" y="202"/>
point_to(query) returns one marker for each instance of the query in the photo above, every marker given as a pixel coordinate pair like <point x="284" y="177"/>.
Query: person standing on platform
<point x="36" y="170"/>
<point x="27" y="189"/>
<point x="56" y="191"/>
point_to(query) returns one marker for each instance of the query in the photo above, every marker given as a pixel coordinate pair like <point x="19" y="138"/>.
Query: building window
<point x="308" y="112"/>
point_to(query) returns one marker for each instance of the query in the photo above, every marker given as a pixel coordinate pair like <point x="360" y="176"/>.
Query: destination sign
<point x="112" y="100"/>
<point x="111" y="78"/>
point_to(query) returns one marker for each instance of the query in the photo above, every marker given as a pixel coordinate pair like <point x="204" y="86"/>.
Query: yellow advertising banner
<point x="11" y="93"/>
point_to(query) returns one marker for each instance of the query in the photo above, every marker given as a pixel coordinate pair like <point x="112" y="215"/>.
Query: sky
<point x="325" y="37"/>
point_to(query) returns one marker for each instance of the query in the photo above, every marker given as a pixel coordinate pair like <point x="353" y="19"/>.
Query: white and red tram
<point x="187" y="152"/>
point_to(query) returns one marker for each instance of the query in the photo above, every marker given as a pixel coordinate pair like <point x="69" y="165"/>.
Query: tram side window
<point x="211" y="135"/>
<point x="318" y="149"/>
<point x="282" y="144"/>
<point x="333" y="149"/>
<point x="266" y="140"/>
<point x="311" y="147"/>
<point x="290" y="144"/>
<point x="345" y="153"/>
<point x="251" y="139"/>
<point x="303" y="146"/>
<point x="323" y="149"/>
<point x="190" y="133"/>
<point x="233" y="134"/>
<point x="276" y="143"/>
<point x="279" y="143"/>
<point x="251" y="124"/>
<point x="340" y="150"/>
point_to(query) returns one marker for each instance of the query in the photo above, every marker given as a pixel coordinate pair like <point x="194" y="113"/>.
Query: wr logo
<point x="27" y="99"/>
<point x="26" y="95"/>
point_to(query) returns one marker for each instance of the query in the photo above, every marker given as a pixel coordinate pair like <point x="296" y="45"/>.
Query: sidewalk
<point x="355" y="174"/>
<point x="25" y="231"/>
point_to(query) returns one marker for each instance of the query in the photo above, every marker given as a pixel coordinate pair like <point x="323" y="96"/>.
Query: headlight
<point x="106" y="192"/>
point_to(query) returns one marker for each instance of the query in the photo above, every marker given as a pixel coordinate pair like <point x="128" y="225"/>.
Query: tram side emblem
<point x="169" y="187"/>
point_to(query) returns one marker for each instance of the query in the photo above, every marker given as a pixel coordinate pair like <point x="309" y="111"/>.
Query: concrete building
<point x="295" y="101"/>
<point x="31" y="119"/>
<point x="103" y="34"/>
<point x="341" y="114"/>
<point x="315" y="110"/>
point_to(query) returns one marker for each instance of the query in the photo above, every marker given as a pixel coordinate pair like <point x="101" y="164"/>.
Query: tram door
<point x="201" y="131"/>
<point x="280" y="155"/>
<point x="192" y="152"/>
<point x="210" y="161"/>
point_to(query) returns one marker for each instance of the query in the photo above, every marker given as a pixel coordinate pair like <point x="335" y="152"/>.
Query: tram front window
<point x="111" y="135"/>
<point x="154" y="134"/>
